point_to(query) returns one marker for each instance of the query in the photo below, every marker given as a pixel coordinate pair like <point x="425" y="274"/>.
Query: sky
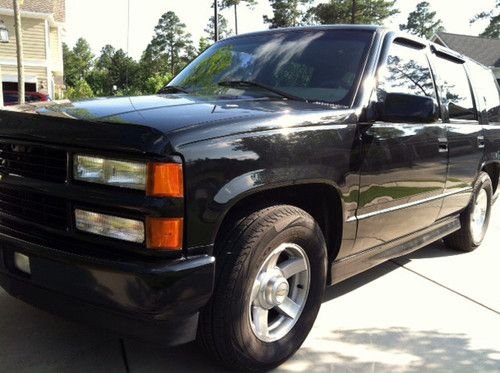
<point x="104" y="22"/>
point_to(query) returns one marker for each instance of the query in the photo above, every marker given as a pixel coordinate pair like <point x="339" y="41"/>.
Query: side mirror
<point x="404" y="108"/>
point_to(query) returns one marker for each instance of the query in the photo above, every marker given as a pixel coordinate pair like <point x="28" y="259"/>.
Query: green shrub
<point x="80" y="91"/>
<point x="156" y="82"/>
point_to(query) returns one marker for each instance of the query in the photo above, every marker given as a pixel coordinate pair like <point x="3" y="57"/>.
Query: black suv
<point x="277" y="163"/>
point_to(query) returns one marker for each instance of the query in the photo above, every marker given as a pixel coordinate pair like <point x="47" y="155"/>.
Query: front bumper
<point x="155" y="300"/>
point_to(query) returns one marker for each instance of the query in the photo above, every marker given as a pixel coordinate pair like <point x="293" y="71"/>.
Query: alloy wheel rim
<point x="478" y="216"/>
<point x="279" y="292"/>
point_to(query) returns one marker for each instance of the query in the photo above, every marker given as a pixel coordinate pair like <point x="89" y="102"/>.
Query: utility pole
<point x="128" y="41"/>
<point x="236" y="18"/>
<point x="216" y="21"/>
<point x="19" y="43"/>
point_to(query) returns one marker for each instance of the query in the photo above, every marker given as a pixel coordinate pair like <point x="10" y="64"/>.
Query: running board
<point x="351" y="265"/>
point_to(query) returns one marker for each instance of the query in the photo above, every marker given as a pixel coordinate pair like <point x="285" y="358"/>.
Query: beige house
<point x="43" y="26"/>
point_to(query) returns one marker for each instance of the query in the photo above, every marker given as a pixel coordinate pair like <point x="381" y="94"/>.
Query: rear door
<point x="464" y="133"/>
<point x="487" y="94"/>
<point x="404" y="165"/>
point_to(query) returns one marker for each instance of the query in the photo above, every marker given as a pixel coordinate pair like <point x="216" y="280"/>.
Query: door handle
<point x="480" y="142"/>
<point x="443" y="145"/>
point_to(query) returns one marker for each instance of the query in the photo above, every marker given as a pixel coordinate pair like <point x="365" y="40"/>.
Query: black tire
<point x="463" y="239"/>
<point x="225" y="328"/>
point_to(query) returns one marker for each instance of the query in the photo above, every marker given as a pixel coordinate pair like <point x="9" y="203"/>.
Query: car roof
<point x="373" y="28"/>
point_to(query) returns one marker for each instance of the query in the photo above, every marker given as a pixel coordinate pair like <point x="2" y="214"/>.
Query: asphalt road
<point x="434" y="310"/>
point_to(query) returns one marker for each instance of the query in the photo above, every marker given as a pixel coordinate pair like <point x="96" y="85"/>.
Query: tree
<point x="77" y="62"/>
<point x="153" y="61"/>
<point x="171" y="41"/>
<point x="190" y="53"/>
<point x="105" y="59"/>
<point x="80" y="91"/>
<point x="71" y="73"/>
<point x="422" y="21"/>
<point x="156" y="82"/>
<point x="114" y="68"/>
<point x="223" y="29"/>
<point x="493" y="28"/>
<point x="352" y="12"/>
<point x="203" y="44"/>
<point x="286" y="13"/>
<point x="122" y="70"/>
<point x="83" y="57"/>
<point x="234" y="3"/>
<point x="99" y="78"/>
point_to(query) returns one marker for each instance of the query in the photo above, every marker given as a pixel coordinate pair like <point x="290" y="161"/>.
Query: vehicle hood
<point x="163" y="123"/>
<point x="168" y="113"/>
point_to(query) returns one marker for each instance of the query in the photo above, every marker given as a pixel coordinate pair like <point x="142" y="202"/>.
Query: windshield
<point x="312" y="65"/>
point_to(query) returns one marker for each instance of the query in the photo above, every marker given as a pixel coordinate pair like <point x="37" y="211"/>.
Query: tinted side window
<point x="486" y="89"/>
<point x="455" y="89"/>
<point x="407" y="71"/>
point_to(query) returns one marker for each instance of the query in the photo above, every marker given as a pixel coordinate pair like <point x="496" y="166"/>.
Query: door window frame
<point x="437" y="54"/>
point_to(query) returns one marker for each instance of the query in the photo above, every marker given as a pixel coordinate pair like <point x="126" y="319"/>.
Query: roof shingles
<point x="484" y="50"/>
<point x="56" y="7"/>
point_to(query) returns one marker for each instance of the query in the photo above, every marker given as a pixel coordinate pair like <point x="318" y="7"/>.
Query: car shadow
<point x="434" y="250"/>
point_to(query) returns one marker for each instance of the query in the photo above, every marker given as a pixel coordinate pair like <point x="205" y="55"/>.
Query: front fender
<point x="221" y="172"/>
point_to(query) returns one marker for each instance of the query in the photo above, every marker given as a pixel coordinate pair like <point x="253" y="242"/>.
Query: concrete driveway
<point x="434" y="310"/>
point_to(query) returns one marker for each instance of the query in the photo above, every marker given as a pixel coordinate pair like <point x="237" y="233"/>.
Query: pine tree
<point x="171" y="40"/>
<point x="422" y="21"/>
<point x="223" y="29"/>
<point x="493" y="28"/>
<point x="286" y="13"/>
<point x="235" y="3"/>
<point x="352" y="12"/>
<point x="83" y="57"/>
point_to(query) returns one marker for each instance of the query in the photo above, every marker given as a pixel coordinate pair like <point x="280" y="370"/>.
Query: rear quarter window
<point x="486" y="90"/>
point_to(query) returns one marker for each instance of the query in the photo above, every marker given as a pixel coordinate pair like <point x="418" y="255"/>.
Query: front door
<point x="403" y="172"/>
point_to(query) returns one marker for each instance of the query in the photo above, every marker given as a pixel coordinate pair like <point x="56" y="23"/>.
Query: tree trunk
<point x="353" y="12"/>
<point x="172" y="62"/>
<point x="236" y="18"/>
<point x="19" y="43"/>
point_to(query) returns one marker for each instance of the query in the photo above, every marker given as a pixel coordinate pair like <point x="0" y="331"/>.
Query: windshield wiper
<point x="249" y="83"/>
<point x="173" y="89"/>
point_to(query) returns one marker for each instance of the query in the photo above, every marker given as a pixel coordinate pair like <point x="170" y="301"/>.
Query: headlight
<point x="110" y="172"/>
<point x="110" y="226"/>
<point x="156" y="179"/>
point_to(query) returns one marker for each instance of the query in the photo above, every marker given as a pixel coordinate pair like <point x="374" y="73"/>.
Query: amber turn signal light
<point x="164" y="234"/>
<point x="165" y="180"/>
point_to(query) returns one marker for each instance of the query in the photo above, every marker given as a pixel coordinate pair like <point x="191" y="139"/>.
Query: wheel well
<point x="493" y="170"/>
<point x="321" y="201"/>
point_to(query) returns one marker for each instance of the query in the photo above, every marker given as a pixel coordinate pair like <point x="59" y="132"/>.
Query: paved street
<point x="434" y="310"/>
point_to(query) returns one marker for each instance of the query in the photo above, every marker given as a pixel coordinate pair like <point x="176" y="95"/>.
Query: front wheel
<point x="475" y="218"/>
<point x="271" y="279"/>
